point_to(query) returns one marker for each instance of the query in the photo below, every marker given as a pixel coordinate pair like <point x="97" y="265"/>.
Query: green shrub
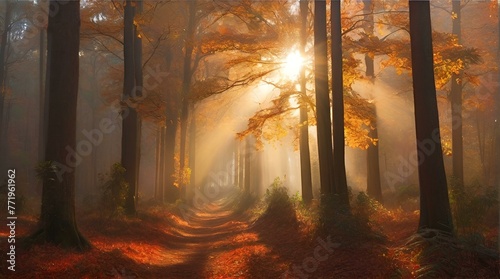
<point x="113" y="189"/>
<point x="470" y="206"/>
<point x="243" y="201"/>
<point x="277" y="198"/>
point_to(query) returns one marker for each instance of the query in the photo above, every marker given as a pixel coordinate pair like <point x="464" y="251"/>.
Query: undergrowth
<point x="440" y="254"/>
<point x="113" y="191"/>
<point x="355" y="224"/>
<point x="471" y="206"/>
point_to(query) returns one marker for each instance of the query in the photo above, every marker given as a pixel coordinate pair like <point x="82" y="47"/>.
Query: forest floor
<point x="218" y="243"/>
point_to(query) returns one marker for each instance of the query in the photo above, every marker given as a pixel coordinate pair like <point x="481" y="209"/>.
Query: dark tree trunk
<point x="241" y="163"/>
<point x="190" y="190"/>
<point x="305" y="156"/>
<point x="42" y="118"/>
<point x="3" y="77"/>
<point x="186" y="86"/>
<point x="368" y="28"/>
<point x="325" y="152"/>
<point x="58" y="222"/>
<point x="138" y="89"/>
<point x="160" y="164"/>
<point x="171" y="123"/>
<point x="130" y="126"/>
<point x="248" y="159"/>
<point x="373" y="185"/>
<point x="456" y="108"/>
<point x="434" y="203"/>
<point x="497" y="122"/>
<point x="339" y="177"/>
<point x="171" y="192"/>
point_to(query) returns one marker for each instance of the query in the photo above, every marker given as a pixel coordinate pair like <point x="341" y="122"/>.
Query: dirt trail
<point x="209" y="233"/>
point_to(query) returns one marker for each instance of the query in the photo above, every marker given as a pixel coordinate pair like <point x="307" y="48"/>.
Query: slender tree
<point x="186" y="87"/>
<point x="497" y="122"/>
<point x="42" y="120"/>
<point x="434" y="203"/>
<point x="192" y="155"/>
<point x="339" y="176"/>
<point x="172" y="122"/>
<point x="160" y="163"/>
<point x="325" y="151"/>
<point x="57" y="220"/>
<point x="456" y="105"/>
<point x="247" y="168"/>
<point x="373" y="185"/>
<point x="131" y="124"/>
<point x="170" y="131"/>
<point x="368" y="28"/>
<point x="305" y="156"/>
<point x="3" y="74"/>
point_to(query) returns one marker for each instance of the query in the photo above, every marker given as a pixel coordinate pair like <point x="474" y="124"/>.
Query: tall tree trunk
<point x="186" y="86"/>
<point x="171" y="124"/>
<point x="373" y="185"/>
<point x="192" y="156"/>
<point x="42" y="118"/>
<point x="434" y="203"/>
<point x="138" y="89"/>
<point x="305" y="156"/>
<point x="481" y="142"/>
<point x="160" y="164"/>
<point x="339" y="177"/>
<point x="497" y="117"/>
<point x="368" y="28"/>
<point x="130" y="126"/>
<point x="456" y="107"/>
<point x="58" y="222"/>
<point x="324" y="134"/>
<point x="248" y="157"/>
<point x="172" y="121"/>
<point x="3" y="77"/>
<point x="241" y="163"/>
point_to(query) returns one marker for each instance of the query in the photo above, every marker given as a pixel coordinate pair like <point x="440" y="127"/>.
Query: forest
<point x="249" y="139"/>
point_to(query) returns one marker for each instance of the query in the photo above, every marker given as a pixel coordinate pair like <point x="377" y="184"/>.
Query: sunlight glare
<point x="293" y="63"/>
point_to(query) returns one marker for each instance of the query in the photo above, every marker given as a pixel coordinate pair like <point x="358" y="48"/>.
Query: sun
<point x="292" y="65"/>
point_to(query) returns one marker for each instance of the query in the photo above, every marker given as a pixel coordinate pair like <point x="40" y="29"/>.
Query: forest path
<point x="206" y="235"/>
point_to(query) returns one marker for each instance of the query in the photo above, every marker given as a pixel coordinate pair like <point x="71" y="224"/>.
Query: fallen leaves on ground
<point x="216" y="243"/>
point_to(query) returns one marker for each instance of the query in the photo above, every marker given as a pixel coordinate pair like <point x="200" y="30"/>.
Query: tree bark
<point x="186" y="86"/>
<point x="248" y="157"/>
<point x="434" y="203"/>
<point x="373" y="185"/>
<point x="130" y="126"/>
<point x="241" y="163"/>
<point x="497" y="118"/>
<point x="456" y="108"/>
<point x="192" y="156"/>
<point x="58" y="222"/>
<point x="42" y="119"/>
<point x="3" y="77"/>
<point x="339" y="177"/>
<point x="368" y="28"/>
<point x="324" y="130"/>
<point x="305" y="156"/>
<point x="171" y="192"/>
<point x="160" y="165"/>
